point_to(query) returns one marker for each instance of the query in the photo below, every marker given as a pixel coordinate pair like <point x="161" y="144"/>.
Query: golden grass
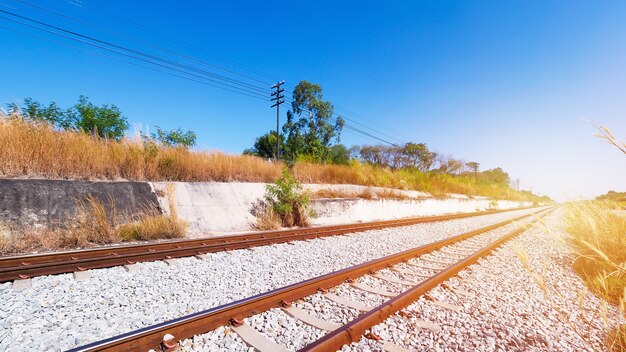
<point x="364" y="194"/>
<point x="95" y="224"/>
<point x="29" y="149"/>
<point x="598" y="237"/>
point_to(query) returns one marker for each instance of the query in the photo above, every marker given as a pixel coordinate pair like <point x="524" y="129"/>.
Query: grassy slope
<point x="37" y="150"/>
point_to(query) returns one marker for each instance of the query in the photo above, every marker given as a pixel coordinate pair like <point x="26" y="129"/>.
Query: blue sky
<point x="504" y="83"/>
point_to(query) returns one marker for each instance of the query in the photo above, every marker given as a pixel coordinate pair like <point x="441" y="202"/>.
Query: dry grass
<point x="33" y="149"/>
<point x="265" y="217"/>
<point x="29" y="149"/>
<point x="94" y="225"/>
<point x="598" y="237"/>
<point x="367" y="193"/>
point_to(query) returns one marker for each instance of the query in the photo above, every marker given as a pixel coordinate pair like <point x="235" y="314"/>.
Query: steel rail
<point x="197" y="323"/>
<point x="32" y="265"/>
<point x="356" y="328"/>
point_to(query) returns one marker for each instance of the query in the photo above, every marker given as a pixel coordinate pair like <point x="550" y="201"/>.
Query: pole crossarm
<point x="277" y="96"/>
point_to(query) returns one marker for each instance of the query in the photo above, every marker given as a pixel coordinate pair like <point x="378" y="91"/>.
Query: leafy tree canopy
<point x="309" y="127"/>
<point x="105" y="121"/>
<point x="175" y="138"/>
<point x="265" y="146"/>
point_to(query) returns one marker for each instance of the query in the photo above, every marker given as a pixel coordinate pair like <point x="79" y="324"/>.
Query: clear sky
<point x="504" y="83"/>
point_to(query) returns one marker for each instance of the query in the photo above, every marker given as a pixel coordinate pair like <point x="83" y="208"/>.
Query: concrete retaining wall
<point x="39" y="203"/>
<point x="212" y="207"/>
<point x="335" y="211"/>
<point x="218" y="207"/>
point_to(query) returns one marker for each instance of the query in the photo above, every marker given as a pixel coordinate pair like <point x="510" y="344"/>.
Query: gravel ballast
<point x="509" y="310"/>
<point x="58" y="312"/>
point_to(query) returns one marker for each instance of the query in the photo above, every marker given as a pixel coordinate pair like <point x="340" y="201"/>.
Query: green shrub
<point x="287" y="200"/>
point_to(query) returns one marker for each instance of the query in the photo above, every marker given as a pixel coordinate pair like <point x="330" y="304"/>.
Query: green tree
<point x="36" y="111"/>
<point x="309" y="128"/>
<point x="105" y="121"/>
<point x="496" y="175"/>
<point x="265" y="146"/>
<point x="472" y="165"/>
<point x="339" y="154"/>
<point x="418" y="156"/>
<point x="175" y="138"/>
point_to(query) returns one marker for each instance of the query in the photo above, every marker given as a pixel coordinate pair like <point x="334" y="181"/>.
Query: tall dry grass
<point x="37" y="150"/>
<point x="95" y="224"/>
<point x="30" y="149"/>
<point x="598" y="238"/>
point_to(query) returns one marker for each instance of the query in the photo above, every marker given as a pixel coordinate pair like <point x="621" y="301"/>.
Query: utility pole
<point x="277" y="96"/>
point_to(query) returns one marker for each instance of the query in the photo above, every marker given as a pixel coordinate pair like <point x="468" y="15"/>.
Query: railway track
<point x="32" y="265"/>
<point x="417" y="270"/>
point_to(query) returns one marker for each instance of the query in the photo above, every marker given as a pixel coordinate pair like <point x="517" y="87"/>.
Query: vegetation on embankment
<point x="37" y="149"/>
<point x="598" y="238"/>
<point x="94" y="225"/>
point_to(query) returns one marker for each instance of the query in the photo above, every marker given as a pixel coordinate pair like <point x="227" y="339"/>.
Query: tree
<point x="496" y="175"/>
<point x="472" y="165"/>
<point x="417" y="155"/>
<point x="265" y="146"/>
<point x="339" y="154"/>
<point x="449" y="165"/>
<point x="36" y="111"/>
<point x="105" y="121"/>
<point x="175" y="138"/>
<point x="309" y="129"/>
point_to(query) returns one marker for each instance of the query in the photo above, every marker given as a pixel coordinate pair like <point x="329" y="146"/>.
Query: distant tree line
<point x="310" y="134"/>
<point x="104" y="121"/>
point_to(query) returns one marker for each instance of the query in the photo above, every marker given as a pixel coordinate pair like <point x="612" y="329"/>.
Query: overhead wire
<point x="237" y="86"/>
<point x="168" y="64"/>
<point x="216" y="84"/>
<point x="136" y="40"/>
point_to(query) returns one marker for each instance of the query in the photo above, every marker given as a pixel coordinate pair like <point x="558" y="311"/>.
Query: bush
<point x="286" y="199"/>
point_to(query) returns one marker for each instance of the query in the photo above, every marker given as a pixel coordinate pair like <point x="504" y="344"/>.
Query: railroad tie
<point x="21" y="284"/>
<point x="423" y="324"/>
<point x="391" y="347"/>
<point x="394" y="280"/>
<point x="426" y="266"/>
<point x="452" y="252"/>
<point x="346" y="302"/>
<point x="463" y="293"/>
<point x="255" y="339"/>
<point x="409" y="272"/>
<point x="436" y="261"/>
<point x="314" y="321"/>
<point x="371" y="289"/>
<point x="447" y="306"/>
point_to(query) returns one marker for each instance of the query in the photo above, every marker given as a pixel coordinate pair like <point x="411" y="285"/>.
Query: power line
<point x="237" y="90"/>
<point x="354" y="129"/>
<point x="237" y="86"/>
<point x="124" y="61"/>
<point x="192" y="46"/>
<point x="134" y="39"/>
<point x="150" y="58"/>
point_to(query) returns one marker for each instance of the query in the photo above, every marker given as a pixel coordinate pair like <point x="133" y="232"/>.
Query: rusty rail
<point x="32" y="265"/>
<point x="353" y="331"/>
<point x="185" y="327"/>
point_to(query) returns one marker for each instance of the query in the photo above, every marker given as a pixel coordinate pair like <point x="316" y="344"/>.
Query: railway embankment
<point x="217" y="207"/>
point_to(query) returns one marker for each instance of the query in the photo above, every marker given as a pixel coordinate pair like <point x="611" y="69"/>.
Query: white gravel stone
<point x="509" y="311"/>
<point x="284" y="330"/>
<point x="58" y="312"/>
